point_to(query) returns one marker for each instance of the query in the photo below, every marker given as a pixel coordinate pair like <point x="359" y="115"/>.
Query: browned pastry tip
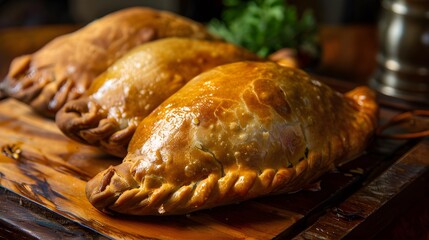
<point x="25" y="89"/>
<point x="236" y="132"/>
<point x="85" y="121"/>
<point x="113" y="180"/>
<point x="64" y="68"/>
<point x="365" y="98"/>
<point x="78" y="115"/>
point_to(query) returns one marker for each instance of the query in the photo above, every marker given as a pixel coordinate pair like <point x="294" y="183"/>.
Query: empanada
<point x="236" y="132"/>
<point x="64" y="68"/>
<point x="135" y="85"/>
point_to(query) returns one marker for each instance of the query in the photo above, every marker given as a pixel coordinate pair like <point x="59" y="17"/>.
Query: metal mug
<point x="403" y="57"/>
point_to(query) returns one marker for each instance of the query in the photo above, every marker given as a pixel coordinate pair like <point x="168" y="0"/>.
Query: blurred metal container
<point x="403" y="59"/>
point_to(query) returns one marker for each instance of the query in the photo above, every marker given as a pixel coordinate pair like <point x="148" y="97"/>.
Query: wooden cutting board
<point x="39" y="163"/>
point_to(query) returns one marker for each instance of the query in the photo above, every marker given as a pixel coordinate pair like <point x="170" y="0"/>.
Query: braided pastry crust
<point x="236" y="132"/>
<point x="64" y="68"/>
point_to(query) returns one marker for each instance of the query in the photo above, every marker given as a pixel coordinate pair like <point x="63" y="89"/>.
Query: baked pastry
<point x="135" y="85"/>
<point x="236" y="132"/>
<point x="64" y="68"/>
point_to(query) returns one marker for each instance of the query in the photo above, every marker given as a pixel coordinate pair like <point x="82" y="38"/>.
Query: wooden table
<point x="41" y="191"/>
<point x="46" y="177"/>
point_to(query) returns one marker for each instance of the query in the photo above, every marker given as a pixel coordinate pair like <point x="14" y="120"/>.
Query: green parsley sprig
<point x="264" y="26"/>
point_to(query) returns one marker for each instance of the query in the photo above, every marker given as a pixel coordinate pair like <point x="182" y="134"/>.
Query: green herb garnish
<point x="264" y="26"/>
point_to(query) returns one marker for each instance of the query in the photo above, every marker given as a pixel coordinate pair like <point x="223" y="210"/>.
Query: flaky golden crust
<point x="135" y="85"/>
<point x="64" y="68"/>
<point x="239" y="131"/>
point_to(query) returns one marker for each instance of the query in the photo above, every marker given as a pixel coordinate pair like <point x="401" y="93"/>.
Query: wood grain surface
<point x="366" y="211"/>
<point x="40" y="164"/>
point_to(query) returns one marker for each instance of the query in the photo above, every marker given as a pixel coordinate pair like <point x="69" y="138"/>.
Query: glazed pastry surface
<point x="135" y="85"/>
<point x="238" y="131"/>
<point x="64" y="68"/>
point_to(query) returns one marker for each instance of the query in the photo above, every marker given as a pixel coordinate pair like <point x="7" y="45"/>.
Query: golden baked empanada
<point x="64" y="68"/>
<point x="238" y="131"/>
<point x="135" y="85"/>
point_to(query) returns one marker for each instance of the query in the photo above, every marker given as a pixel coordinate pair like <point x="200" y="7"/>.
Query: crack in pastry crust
<point x="271" y="130"/>
<point x="64" y="68"/>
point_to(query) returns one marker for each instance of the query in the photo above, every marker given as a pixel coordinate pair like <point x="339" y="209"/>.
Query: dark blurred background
<point x="41" y="12"/>
<point x="345" y="26"/>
